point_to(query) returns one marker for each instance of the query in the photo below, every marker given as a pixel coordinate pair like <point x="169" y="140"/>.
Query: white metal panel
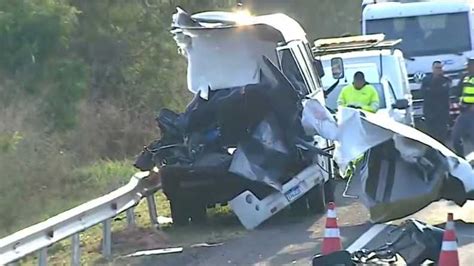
<point x="288" y="27"/>
<point x="252" y="211"/>
<point x="226" y="58"/>
<point x="227" y="49"/>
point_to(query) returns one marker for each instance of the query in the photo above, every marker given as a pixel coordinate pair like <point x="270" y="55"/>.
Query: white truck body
<point x="431" y="30"/>
<point x="227" y="51"/>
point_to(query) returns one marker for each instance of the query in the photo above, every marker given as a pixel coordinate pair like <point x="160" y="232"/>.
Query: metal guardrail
<point x="71" y="223"/>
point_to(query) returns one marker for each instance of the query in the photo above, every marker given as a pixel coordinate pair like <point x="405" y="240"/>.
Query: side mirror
<point x="401" y="104"/>
<point x="337" y="68"/>
<point x="319" y="67"/>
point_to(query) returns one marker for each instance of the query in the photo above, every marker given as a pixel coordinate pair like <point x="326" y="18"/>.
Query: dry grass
<point x="45" y="173"/>
<point x="107" y="131"/>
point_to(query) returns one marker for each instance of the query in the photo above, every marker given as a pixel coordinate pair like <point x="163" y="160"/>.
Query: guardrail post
<point x="152" y="210"/>
<point x="131" y="217"/>
<point x="43" y="257"/>
<point x="76" y="250"/>
<point x="107" y="239"/>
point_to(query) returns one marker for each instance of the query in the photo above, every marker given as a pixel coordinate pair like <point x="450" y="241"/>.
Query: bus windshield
<point x="427" y="34"/>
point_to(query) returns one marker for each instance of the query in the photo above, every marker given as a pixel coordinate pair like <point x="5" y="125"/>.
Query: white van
<point x="383" y="67"/>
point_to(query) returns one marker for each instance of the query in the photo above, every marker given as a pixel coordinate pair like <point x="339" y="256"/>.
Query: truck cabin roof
<point x="225" y="49"/>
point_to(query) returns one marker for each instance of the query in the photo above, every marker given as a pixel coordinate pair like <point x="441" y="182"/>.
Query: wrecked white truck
<point x="241" y="139"/>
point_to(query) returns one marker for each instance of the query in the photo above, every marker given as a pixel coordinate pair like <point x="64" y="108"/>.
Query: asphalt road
<point x="295" y="241"/>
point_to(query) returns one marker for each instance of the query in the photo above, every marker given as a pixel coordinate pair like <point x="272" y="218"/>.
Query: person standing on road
<point x="463" y="128"/>
<point x="436" y="91"/>
<point x="360" y="95"/>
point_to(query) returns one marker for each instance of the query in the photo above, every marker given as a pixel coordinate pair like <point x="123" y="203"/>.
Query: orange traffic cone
<point x="449" y="248"/>
<point x="332" y="236"/>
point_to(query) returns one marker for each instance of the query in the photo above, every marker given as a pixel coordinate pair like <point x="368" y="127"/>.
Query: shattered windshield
<point x="426" y="35"/>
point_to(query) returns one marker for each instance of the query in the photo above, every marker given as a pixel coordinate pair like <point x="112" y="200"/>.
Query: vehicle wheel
<point x="316" y="201"/>
<point x="178" y="212"/>
<point x="329" y="188"/>
<point x="198" y="213"/>
<point x="299" y="207"/>
<point x="337" y="172"/>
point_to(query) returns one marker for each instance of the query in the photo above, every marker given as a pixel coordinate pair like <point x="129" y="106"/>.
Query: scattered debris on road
<point x="153" y="252"/>
<point x="412" y="241"/>
<point x="164" y="220"/>
<point x="207" y="245"/>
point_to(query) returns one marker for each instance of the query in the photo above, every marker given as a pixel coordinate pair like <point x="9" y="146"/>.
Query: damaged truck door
<point x="252" y="77"/>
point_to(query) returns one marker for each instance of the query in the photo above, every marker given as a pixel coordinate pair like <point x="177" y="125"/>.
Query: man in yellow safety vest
<point x="359" y="94"/>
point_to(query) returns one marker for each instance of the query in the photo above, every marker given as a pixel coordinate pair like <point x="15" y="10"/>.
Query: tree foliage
<point x="35" y="39"/>
<point x="320" y="18"/>
<point x="69" y="53"/>
<point x="110" y="50"/>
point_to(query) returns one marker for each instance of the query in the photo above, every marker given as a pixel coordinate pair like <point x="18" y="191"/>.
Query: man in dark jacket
<point x="436" y="90"/>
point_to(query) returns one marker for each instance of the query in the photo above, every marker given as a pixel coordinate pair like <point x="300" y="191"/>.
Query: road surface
<point x="284" y="242"/>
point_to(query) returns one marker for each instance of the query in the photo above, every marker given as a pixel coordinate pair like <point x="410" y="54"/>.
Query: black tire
<point x="329" y="188"/>
<point x="198" y="212"/>
<point x="337" y="174"/>
<point x="299" y="207"/>
<point x="184" y="209"/>
<point x="316" y="200"/>
<point x="178" y="212"/>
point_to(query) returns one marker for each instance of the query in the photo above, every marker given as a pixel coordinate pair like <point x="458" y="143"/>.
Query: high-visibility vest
<point x="366" y="98"/>
<point x="468" y="90"/>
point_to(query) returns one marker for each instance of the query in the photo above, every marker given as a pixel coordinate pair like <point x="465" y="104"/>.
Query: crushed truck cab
<point x="242" y="139"/>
